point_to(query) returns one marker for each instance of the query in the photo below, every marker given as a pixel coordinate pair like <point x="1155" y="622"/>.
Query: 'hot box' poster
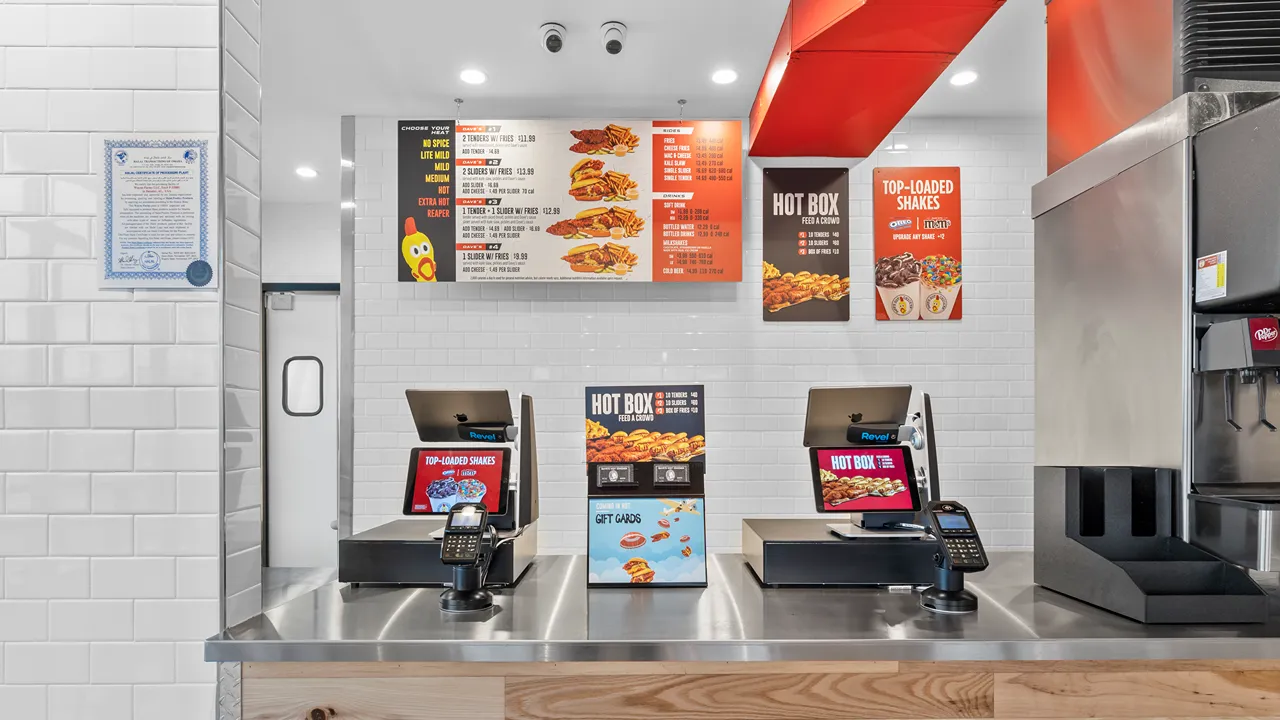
<point x="638" y="424"/>
<point x="598" y="200"/>
<point x="646" y="541"/>
<point x="917" y="243"/>
<point x="806" y="240"/>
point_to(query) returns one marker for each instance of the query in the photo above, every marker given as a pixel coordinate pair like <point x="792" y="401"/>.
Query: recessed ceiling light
<point x="896" y="147"/>
<point x="724" y="77"/>
<point x="348" y="163"/>
<point x="306" y="172"/>
<point x="471" y="76"/>
<point x="348" y="205"/>
<point x="964" y="77"/>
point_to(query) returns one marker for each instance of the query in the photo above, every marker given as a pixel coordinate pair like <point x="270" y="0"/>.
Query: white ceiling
<point x="326" y="58"/>
<point x="1010" y="58"/>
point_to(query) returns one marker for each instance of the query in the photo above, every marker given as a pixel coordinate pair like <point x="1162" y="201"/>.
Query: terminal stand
<point x="948" y="595"/>
<point x="468" y="593"/>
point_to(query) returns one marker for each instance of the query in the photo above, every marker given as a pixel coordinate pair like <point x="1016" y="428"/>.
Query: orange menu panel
<point x="697" y="201"/>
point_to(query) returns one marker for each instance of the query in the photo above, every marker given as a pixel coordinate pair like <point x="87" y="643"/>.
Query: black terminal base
<point x="468" y="593"/>
<point x="955" y="602"/>
<point x="948" y="594"/>
<point x="460" y="601"/>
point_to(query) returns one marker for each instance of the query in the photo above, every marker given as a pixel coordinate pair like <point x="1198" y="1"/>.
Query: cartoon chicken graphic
<point x="418" y="253"/>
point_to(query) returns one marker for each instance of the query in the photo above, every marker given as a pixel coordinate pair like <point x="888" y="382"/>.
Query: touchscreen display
<point x="444" y="478"/>
<point x="865" y="480"/>
<point x="951" y="521"/>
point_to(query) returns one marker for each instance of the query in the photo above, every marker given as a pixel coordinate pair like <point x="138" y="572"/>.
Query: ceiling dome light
<point x="306" y="172"/>
<point x="471" y="76"/>
<point x="724" y="77"/>
<point x="964" y="77"/>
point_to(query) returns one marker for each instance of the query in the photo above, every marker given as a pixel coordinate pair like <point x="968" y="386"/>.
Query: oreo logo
<point x="899" y="223"/>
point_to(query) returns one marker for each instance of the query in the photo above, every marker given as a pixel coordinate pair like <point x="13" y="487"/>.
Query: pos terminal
<point x="959" y="551"/>
<point x="467" y="546"/>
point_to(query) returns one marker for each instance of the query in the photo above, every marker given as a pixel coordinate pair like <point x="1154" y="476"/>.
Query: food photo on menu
<point x="863" y="480"/>
<point x="646" y="541"/>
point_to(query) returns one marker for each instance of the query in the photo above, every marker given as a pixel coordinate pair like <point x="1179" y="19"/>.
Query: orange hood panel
<point x="844" y="72"/>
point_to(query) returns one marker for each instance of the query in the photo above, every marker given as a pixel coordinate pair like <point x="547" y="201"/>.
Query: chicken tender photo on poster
<point x="917" y="243"/>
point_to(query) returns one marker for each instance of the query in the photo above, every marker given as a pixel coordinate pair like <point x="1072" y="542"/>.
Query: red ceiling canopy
<point x="844" y="72"/>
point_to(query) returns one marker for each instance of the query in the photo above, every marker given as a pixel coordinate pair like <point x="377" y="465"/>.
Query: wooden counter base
<point x="760" y="691"/>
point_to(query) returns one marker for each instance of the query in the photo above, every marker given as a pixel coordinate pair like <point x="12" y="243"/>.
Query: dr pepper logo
<point x="1264" y="332"/>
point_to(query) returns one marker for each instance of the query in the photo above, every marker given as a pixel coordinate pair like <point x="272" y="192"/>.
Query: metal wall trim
<point x="346" y="332"/>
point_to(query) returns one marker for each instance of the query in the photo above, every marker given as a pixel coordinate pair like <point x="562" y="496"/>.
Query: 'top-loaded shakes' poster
<point x="917" y="243"/>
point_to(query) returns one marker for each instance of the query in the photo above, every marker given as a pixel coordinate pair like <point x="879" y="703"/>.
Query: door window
<point x="303" y="394"/>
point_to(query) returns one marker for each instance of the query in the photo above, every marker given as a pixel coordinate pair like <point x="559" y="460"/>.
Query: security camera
<point x="614" y="34"/>
<point x="553" y="37"/>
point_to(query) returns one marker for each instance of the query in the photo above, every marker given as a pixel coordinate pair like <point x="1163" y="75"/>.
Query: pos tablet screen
<point x="868" y="479"/>
<point x="440" y="478"/>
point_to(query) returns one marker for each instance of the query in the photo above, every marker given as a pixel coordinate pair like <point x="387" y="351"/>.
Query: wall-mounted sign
<point x="158" y="212"/>
<point x="615" y="201"/>
<point x="806" y="239"/>
<point x="917" y="243"/>
<point x="654" y="542"/>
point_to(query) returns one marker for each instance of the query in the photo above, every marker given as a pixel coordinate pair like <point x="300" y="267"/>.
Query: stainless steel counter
<point x="552" y="617"/>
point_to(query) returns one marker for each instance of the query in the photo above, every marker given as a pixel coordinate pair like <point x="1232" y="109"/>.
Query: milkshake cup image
<point x="940" y="279"/>
<point x="898" y="282"/>
<point x="471" y="491"/>
<point x="443" y="495"/>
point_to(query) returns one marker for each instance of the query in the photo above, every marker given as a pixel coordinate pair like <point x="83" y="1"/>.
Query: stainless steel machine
<point x="1157" y="477"/>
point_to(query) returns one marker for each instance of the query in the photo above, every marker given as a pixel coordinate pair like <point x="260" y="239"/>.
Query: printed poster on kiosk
<point x="593" y="200"/>
<point x="917" y="243"/>
<point x="646" y="541"/>
<point x="806" y="240"/>
<point x="646" y="424"/>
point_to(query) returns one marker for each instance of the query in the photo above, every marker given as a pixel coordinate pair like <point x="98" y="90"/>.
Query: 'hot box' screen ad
<point x="445" y="478"/>
<point x="864" y="480"/>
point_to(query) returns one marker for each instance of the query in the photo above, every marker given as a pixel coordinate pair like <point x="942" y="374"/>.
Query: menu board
<point x="806" y="240"/>
<point x="653" y="542"/>
<point x="641" y="424"/>
<point x="538" y="200"/>
<point x="917" y="243"/>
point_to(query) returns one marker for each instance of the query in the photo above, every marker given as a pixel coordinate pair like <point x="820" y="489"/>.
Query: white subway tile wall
<point x="108" y="399"/>
<point x="550" y="340"/>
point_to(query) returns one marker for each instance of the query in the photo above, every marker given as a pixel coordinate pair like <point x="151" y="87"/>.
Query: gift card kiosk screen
<point x="440" y="478"/>
<point x="872" y="479"/>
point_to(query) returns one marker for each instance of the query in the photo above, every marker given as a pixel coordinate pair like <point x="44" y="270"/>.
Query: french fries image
<point x="590" y="182"/>
<point x="610" y="257"/>
<point x="615" y="222"/>
<point x="614" y="139"/>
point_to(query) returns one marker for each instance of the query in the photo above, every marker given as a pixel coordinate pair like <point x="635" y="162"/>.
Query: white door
<point x="302" y="429"/>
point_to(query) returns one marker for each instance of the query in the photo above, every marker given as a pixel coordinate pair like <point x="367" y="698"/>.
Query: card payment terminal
<point x="464" y="535"/>
<point x="957" y="537"/>
<point x="959" y="552"/>
<point x="463" y="547"/>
